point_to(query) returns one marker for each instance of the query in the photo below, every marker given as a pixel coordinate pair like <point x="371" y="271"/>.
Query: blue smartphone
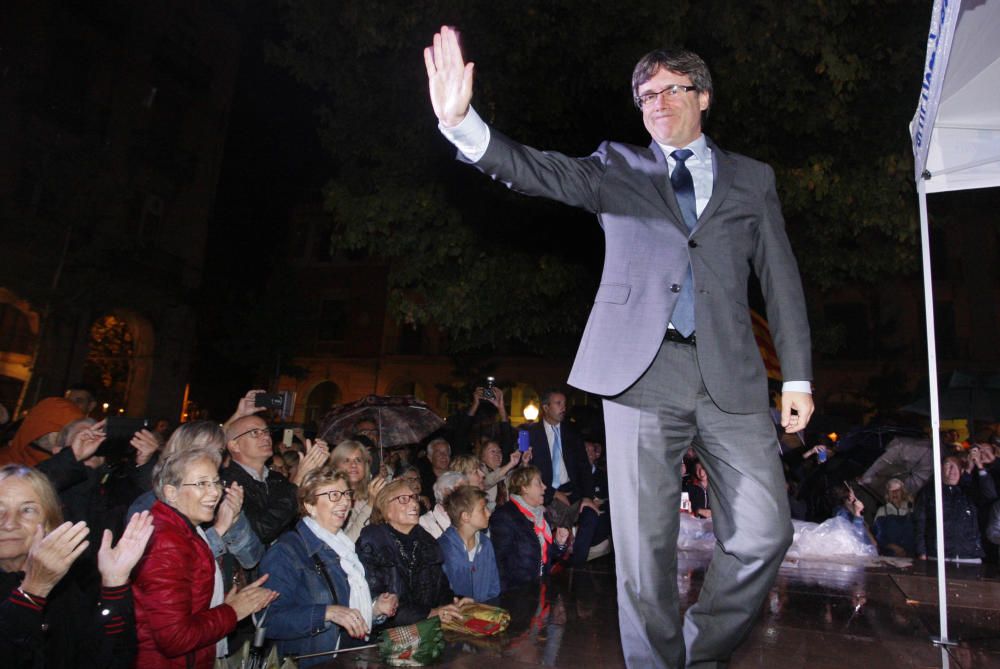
<point x="523" y="440"/>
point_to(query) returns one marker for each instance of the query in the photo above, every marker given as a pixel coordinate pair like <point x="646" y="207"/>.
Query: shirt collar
<point x="254" y="474"/>
<point x="698" y="146"/>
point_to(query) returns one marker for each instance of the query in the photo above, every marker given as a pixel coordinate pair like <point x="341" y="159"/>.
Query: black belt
<point x="675" y="336"/>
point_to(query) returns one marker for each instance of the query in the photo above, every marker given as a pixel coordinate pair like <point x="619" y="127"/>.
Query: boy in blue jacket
<point x="469" y="560"/>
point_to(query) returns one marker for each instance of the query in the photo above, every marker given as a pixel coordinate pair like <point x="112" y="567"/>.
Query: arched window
<point x="15" y="330"/>
<point x="323" y="396"/>
<point x="109" y="361"/>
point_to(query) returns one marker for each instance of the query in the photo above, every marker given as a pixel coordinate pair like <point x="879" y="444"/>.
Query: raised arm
<point x="449" y="77"/>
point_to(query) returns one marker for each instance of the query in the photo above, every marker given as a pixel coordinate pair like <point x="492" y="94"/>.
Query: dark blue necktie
<point x="680" y="179"/>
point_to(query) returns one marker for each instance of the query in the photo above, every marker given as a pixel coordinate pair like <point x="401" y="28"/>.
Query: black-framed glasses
<point x="643" y="99"/>
<point x="205" y="486"/>
<point x="403" y="499"/>
<point x="336" y="495"/>
<point x="255" y="433"/>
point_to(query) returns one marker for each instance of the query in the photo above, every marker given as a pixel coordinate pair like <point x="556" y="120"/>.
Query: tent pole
<point x="942" y="641"/>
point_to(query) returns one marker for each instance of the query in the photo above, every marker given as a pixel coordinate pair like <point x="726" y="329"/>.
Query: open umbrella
<point x="400" y="419"/>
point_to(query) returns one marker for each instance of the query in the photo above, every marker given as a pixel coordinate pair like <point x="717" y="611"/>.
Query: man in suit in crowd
<point x="557" y="450"/>
<point x="669" y="342"/>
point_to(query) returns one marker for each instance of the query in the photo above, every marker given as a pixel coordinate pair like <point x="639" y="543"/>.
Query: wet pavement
<point x="819" y="616"/>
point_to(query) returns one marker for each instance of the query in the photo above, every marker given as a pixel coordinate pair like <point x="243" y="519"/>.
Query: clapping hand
<point x="317" y="453"/>
<point x="115" y="564"/>
<point x="250" y="599"/>
<point x="51" y="555"/>
<point x="229" y="508"/>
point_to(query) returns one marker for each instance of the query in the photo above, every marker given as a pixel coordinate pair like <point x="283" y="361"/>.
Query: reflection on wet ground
<point x="818" y="616"/>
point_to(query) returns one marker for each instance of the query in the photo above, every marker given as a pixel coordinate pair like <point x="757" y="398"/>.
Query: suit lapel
<point x="724" y="168"/>
<point x="661" y="180"/>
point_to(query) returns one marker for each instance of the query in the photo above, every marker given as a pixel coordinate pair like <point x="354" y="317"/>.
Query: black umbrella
<point x="967" y="395"/>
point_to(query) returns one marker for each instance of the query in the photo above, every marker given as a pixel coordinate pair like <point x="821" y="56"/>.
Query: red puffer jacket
<point x="173" y="592"/>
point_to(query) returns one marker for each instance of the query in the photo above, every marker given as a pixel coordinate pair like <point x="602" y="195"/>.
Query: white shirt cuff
<point x="470" y="137"/>
<point x="797" y="387"/>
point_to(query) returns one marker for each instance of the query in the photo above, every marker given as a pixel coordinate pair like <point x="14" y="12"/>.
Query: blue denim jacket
<point x="297" y="618"/>
<point x="478" y="579"/>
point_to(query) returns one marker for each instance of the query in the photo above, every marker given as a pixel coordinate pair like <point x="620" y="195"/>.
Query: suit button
<point x="692" y="243"/>
<point x="675" y="288"/>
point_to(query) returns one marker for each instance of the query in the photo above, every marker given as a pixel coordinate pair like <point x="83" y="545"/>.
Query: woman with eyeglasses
<point x="401" y="557"/>
<point x="182" y="611"/>
<point x="230" y="534"/>
<point x="324" y="602"/>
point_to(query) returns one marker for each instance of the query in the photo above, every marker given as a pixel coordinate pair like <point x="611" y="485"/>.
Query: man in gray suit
<point x="669" y="343"/>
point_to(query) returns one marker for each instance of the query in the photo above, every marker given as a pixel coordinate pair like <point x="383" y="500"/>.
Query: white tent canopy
<point x="956" y="146"/>
<point x="956" y="130"/>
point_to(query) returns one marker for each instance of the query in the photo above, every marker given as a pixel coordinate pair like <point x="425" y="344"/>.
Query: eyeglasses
<point x="205" y="486"/>
<point x="336" y="495"/>
<point x="403" y="499"/>
<point x="643" y="99"/>
<point x="254" y="433"/>
<point x="412" y="481"/>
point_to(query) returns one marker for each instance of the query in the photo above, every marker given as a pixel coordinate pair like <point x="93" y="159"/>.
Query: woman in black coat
<point x="400" y="557"/>
<point x="519" y="532"/>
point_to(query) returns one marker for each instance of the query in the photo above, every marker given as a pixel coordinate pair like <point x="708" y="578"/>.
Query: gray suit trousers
<point x="649" y="427"/>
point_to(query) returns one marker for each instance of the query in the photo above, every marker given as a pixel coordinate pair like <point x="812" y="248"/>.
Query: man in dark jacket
<point x="269" y="500"/>
<point x="558" y="452"/>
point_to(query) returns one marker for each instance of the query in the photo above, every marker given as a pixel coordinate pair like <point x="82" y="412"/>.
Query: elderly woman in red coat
<point x="182" y="612"/>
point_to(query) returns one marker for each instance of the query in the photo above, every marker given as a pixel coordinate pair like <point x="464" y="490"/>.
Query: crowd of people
<point x="169" y="548"/>
<point x="173" y="550"/>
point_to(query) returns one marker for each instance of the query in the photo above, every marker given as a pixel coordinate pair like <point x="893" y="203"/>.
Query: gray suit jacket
<point x="647" y="249"/>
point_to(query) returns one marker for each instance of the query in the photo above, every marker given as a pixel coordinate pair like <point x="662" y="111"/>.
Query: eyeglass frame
<point x="672" y="91"/>
<point x="330" y="493"/>
<point x="203" y="486"/>
<point x="256" y="436"/>
<point x="408" y="497"/>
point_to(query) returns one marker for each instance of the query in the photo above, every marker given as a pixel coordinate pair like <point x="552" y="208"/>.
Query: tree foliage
<point x="821" y="89"/>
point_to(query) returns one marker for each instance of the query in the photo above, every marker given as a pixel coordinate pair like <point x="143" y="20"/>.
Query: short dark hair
<point x="462" y="499"/>
<point x="547" y="394"/>
<point x="676" y="60"/>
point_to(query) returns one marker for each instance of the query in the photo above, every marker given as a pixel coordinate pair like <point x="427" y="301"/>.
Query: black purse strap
<point x="321" y="570"/>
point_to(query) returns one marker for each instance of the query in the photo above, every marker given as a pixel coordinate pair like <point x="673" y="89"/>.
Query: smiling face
<point x="355" y="466"/>
<point x="196" y="502"/>
<point x="402" y="515"/>
<point x="331" y="516"/>
<point x="674" y="120"/>
<point x="20" y="515"/>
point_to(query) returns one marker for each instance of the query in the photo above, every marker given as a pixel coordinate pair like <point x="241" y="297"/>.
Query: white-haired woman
<point x="182" y="611"/>
<point x="436" y="521"/>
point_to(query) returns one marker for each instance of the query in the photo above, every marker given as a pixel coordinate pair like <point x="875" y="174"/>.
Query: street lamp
<point x="530" y="412"/>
